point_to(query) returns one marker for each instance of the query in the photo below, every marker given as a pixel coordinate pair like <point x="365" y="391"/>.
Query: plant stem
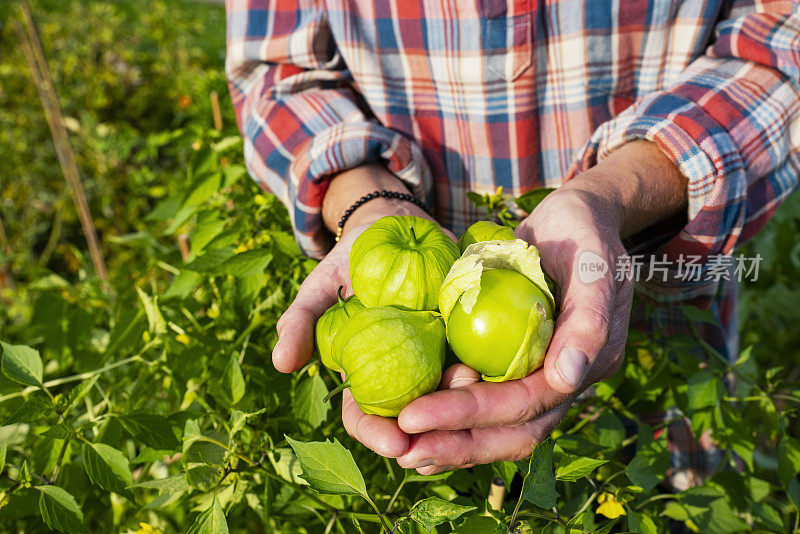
<point x="375" y="507"/>
<point x="396" y="493"/>
<point x="72" y="378"/>
<point x="338" y="389"/>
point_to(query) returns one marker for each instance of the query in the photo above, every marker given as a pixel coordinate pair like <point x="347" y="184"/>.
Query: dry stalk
<point x="32" y="48"/>
<point x="216" y="112"/>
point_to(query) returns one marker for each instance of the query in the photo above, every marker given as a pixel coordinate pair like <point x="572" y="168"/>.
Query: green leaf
<point x="788" y="458"/>
<point x="3" y="451"/>
<point x="154" y="318"/>
<point x="768" y="515"/>
<point x="610" y="430"/>
<point x="210" y="260"/>
<point x="231" y="384"/>
<point x="793" y="491"/>
<point x="641" y="474"/>
<point x="641" y="523"/>
<point x="21" y="364"/>
<point x="329" y="468"/>
<point x="246" y="263"/>
<point x="531" y="199"/>
<point x="435" y="511"/>
<point x="577" y="468"/>
<point x="33" y="409"/>
<point x="539" y="484"/>
<point x="307" y="405"/>
<point x="703" y="390"/>
<point x="108" y="468"/>
<point x="173" y="484"/>
<point x="60" y="431"/>
<point x="696" y="315"/>
<point x="287" y="466"/>
<point x="210" y="521"/>
<point x="82" y="389"/>
<point x="476" y="524"/>
<point x="59" y="510"/>
<point x="506" y="471"/>
<point x="153" y="430"/>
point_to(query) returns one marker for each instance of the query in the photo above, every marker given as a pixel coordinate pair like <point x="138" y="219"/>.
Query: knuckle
<point x="594" y="322"/>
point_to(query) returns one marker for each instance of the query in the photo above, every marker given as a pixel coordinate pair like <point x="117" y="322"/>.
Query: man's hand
<point x="318" y="292"/>
<point x="474" y="422"/>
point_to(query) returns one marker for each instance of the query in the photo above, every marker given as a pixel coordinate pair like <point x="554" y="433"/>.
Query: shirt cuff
<point x="339" y="148"/>
<point x="707" y="156"/>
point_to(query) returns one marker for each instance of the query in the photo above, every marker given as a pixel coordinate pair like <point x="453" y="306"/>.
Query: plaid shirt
<point x="456" y="96"/>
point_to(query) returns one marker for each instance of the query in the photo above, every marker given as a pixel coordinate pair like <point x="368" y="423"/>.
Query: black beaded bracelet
<point x="376" y="194"/>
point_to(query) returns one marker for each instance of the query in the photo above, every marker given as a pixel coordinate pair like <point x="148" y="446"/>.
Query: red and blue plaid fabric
<point x="467" y="95"/>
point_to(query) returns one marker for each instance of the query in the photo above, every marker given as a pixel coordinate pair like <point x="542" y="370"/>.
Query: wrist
<point x="348" y="187"/>
<point x="635" y="187"/>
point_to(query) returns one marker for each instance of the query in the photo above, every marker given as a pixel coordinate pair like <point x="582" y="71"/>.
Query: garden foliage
<point x="150" y="405"/>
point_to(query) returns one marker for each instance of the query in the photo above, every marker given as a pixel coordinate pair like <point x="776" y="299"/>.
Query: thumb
<point x="582" y="331"/>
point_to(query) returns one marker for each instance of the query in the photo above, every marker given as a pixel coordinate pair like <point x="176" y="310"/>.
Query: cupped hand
<point x="476" y="422"/>
<point x="295" y="346"/>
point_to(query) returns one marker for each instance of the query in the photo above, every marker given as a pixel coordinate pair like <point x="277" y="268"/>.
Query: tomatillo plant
<point x="401" y="261"/>
<point x="390" y="357"/>
<point x="498" y="309"/>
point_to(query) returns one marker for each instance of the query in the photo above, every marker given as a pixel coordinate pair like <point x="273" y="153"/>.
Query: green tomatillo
<point x="498" y="309"/>
<point x="485" y="231"/>
<point x="401" y="261"/>
<point x="390" y="357"/>
<point x="330" y="323"/>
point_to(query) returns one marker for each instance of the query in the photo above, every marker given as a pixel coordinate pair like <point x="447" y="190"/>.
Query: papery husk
<point x="464" y="282"/>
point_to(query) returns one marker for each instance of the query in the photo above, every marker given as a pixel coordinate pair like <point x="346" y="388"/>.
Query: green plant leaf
<point x="21" y="364"/>
<point x="245" y="263"/>
<point x="329" y="468"/>
<point x="577" y="468"/>
<point x="59" y="509"/>
<point x="476" y="524"/>
<point x="539" y="484"/>
<point x="793" y="491"/>
<point x="703" y="390"/>
<point x="231" y="384"/>
<point x="3" y="451"/>
<point x="307" y="405"/>
<point x="153" y="430"/>
<point x="697" y="315"/>
<point x="641" y="474"/>
<point x="210" y="521"/>
<point x="531" y="199"/>
<point x="60" y="431"/>
<point x="154" y="318"/>
<point x="788" y="458"/>
<point x="641" y="523"/>
<point x="435" y="511"/>
<point x="768" y="515"/>
<point x="33" y="409"/>
<point x="108" y="468"/>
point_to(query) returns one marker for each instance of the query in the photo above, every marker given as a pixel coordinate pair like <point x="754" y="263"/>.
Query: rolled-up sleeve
<point x="301" y="119"/>
<point x="731" y="124"/>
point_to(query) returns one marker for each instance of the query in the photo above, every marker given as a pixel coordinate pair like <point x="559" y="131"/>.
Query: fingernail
<point x="462" y="382"/>
<point x="421" y="463"/>
<point x="571" y="365"/>
<point x="433" y="470"/>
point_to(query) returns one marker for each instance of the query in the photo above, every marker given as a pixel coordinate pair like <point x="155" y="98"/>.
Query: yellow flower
<point x="145" y="528"/>
<point x="610" y="506"/>
<point x="182" y="338"/>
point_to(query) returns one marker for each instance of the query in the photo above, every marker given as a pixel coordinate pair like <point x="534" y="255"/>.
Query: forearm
<point x="637" y="186"/>
<point x="349" y="186"/>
